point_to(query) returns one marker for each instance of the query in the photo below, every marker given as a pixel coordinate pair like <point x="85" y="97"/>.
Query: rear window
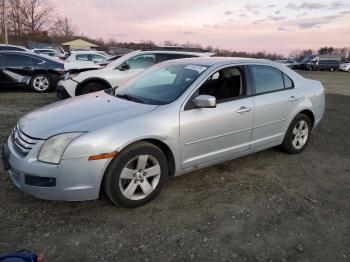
<point x="166" y="56"/>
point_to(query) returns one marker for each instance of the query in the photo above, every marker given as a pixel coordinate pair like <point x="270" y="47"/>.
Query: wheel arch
<point x="309" y="114"/>
<point x="91" y="80"/>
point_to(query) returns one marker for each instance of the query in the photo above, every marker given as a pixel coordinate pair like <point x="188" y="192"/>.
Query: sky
<point x="251" y="25"/>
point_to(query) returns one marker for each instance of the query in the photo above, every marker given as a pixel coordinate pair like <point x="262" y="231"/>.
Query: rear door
<point x="19" y="68"/>
<point x="274" y="100"/>
<point x="3" y="78"/>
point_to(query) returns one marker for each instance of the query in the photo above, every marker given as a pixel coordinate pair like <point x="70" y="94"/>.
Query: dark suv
<point x="19" y="69"/>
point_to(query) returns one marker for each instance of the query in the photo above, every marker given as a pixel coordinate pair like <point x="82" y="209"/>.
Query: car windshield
<point x="161" y="84"/>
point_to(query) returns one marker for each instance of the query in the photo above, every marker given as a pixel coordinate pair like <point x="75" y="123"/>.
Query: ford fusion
<point x="173" y="118"/>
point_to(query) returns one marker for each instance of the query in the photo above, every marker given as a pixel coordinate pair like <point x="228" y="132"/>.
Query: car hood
<point x="83" y="113"/>
<point x="100" y="73"/>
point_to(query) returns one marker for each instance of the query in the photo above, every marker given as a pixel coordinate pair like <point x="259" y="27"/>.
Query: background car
<point x="289" y="63"/>
<point x="18" y="69"/>
<point x="345" y="67"/>
<point x="86" y="56"/>
<point x="13" y="48"/>
<point x="122" y="69"/>
<point x="50" y="52"/>
<point x="320" y="62"/>
<point x="109" y="60"/>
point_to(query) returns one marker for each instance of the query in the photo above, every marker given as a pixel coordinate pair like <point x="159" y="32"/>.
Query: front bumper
<point x="62" y="93"/>
<point x="69" y="86"/>
<point x="72" y="180"/>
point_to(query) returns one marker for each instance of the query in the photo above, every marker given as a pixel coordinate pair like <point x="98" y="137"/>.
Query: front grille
<point x="22" y="142"/>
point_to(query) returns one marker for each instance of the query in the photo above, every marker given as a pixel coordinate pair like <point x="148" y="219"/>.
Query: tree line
<point x="38" y="20"/>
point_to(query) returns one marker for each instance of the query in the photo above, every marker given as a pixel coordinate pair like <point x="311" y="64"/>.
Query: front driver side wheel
<point x="92" y="87"/>
<point x="136" y="175"/>
<point x="298" y="135"/>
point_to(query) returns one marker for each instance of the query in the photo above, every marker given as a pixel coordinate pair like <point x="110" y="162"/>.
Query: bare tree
<point x="37" y="15"/>
<point x="63" y="28"/>
<point x="15" y="19"/>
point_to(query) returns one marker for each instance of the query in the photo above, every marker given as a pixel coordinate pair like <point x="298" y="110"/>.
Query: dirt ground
<point x="268" y="206"/>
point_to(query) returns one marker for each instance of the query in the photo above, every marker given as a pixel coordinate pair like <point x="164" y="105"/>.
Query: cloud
<point x="189" y="33"/>
<point x="306" y="5"/>
<point x="317" y="6"/>
<point x="119" y="35"/>
<point x="242" y="15"/>
<point x="271" y="6"/>
<point x="311" y="24"/>
<point x="252" y="8"/>
<point x="258" y="22"/>
<point x="228" y="13"/>
<point x="276" y="18"/>
<point x="344" y="12"/>
<point x="206" y="25"/>
<point x="284" y="29"/>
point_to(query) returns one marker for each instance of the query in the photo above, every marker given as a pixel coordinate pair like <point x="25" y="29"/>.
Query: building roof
<point x="79" y="43"/>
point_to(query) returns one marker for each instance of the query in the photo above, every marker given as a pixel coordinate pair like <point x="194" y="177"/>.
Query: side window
<point x="82" y="57"/>
<point x="288" y="83"/>
<point x="167" y="56"/>
<point x="141" y="61"/>
<point x="17" y="60"/>
<point x="267" y="79"/>
<point x="227" y="83"/>
<point x="97" y="58"/>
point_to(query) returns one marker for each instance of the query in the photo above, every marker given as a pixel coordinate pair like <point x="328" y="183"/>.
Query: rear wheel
<point x="40" y="83"/>
<point x="92" y="87"/>
<point x="136" y="175"/>
<point x="332" y="69"/>
<point x="298" y="135"/>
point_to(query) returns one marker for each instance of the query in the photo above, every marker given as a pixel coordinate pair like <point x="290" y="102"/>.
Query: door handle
<point x="293" y="98"/>
<point x="242" y="110"/>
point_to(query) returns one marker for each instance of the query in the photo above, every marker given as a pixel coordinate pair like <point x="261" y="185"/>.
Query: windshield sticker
<point x="199" y="69"/>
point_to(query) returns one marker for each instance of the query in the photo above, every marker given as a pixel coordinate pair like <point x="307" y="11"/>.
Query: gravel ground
<point x="267" y="206"/>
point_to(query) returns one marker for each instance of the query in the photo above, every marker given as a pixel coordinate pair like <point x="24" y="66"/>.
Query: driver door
<point x="211" y="134"/>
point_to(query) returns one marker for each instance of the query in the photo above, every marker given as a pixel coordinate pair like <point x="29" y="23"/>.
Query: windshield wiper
<point x="129" y="97"/>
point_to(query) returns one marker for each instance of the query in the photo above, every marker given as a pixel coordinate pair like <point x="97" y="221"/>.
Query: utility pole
<point x="4" y="21"/>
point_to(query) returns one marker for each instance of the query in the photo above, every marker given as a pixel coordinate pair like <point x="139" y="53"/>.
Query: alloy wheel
<point x="300" y="134"/>
<point x="41" y="83"/>
<point x="139" y="177"/>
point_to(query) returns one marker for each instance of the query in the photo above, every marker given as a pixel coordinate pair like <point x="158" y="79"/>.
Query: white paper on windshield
<point x="197" y="68"/>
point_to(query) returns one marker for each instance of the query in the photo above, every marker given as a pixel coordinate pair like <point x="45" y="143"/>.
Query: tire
<point x="310" y="68"/>
<point x="297" y="137"/>
<point x="92" y="87"/>
<point x="40" y="83"/>
<point x="126" y="181"/>
<point x="332" y="69"/>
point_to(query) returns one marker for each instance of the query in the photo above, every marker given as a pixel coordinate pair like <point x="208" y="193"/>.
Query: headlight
<point x="72" y="75"/>
<point x="53" y="148"/>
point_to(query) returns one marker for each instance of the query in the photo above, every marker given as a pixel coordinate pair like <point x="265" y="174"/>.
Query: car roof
<point x="210" y="61"/>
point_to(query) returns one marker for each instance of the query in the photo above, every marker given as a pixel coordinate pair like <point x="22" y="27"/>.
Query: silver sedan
<point x="175" y="117"/>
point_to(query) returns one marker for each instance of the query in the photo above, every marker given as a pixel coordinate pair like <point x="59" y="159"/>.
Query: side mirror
<point x="205" y="101"/>
<point x="124" y="67"/>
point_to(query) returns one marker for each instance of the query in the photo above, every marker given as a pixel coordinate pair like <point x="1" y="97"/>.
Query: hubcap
<point x="41" y="83"/>
<point x="139" y="177"/>
<point x="300" y="134"/>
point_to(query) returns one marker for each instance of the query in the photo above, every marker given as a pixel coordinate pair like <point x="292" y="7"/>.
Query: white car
<point x="87" y="56"/>
<point x="345" y="67"/>
<point x="120" y="70"/>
